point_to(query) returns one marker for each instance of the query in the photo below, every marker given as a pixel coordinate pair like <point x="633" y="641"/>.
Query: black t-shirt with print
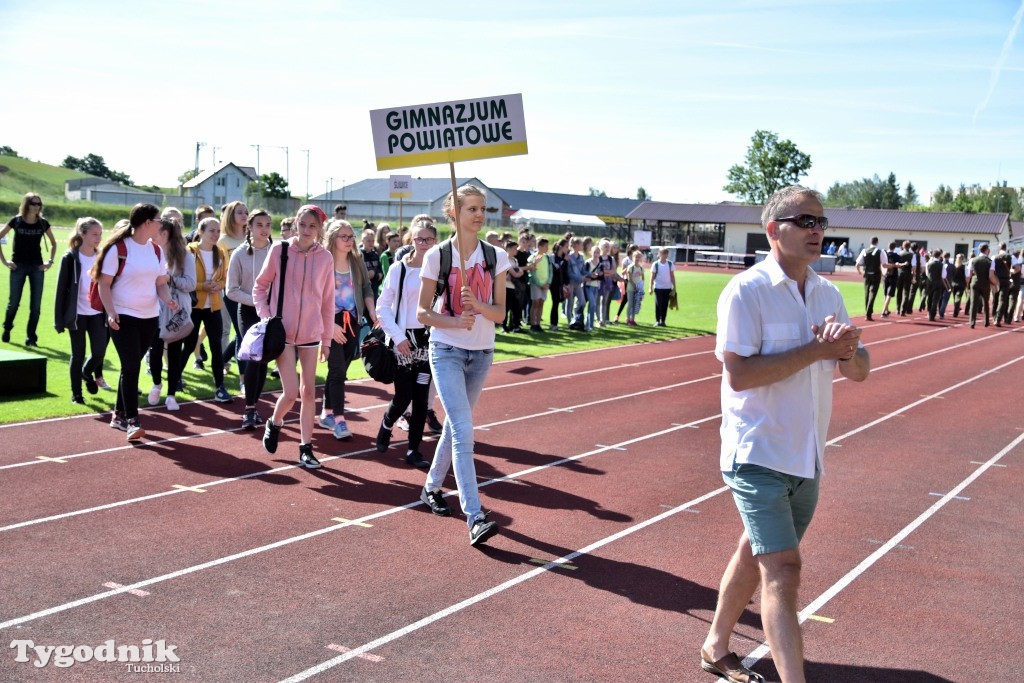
<point x="28" y="239"/>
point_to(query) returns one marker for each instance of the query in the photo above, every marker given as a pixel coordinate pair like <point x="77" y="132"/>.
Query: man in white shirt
<point x="782" y="330"/>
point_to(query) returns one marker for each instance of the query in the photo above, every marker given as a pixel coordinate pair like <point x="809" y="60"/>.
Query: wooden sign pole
<point x="458" y="234"/>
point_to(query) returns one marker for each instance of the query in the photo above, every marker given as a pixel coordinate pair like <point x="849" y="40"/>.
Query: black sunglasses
<point x="807" y="221"/>
<point x="35" y="203"/>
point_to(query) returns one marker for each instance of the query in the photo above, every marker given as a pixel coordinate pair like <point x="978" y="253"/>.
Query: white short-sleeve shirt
<point x="135" y="290"/>
<point x="781" y="426"/>
<point x="481" y="336"/>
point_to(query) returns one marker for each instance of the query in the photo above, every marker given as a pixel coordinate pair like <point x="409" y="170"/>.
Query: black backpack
<point x="445" y="268"/>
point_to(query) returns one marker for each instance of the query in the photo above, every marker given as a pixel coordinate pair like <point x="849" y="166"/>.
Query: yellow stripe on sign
<point x="823" y="619"/>
<point x="445" y="156"/>
<point x="349" y="521"/>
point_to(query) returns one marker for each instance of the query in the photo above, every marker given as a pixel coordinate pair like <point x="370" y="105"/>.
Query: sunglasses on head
<point x="806" y="221"/>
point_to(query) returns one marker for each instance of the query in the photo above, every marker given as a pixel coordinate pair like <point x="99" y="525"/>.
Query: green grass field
<point x="698" y="294"/>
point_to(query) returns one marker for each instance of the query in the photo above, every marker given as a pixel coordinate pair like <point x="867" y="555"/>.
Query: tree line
<point x="772" y="163"/>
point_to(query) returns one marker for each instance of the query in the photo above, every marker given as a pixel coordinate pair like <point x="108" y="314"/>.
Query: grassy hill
<point x="32" y="176"/>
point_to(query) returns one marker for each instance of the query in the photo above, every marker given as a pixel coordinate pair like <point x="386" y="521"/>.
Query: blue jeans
<point x="35" y="283"/>
<point x="459" y="376"/>
<point x="591" y="293"/>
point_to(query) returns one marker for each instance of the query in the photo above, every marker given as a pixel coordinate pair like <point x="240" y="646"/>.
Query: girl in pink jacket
<point x="308" y="318"/>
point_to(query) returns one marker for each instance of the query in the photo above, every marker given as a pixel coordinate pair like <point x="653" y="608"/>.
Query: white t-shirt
<point x="481" y="336"/>
<point x="662" y="274"/>
<point x="84" y="283"/>
<point x="781" y="426"/>
<point x="396" y="322"/>
<point x="135" y="290"/>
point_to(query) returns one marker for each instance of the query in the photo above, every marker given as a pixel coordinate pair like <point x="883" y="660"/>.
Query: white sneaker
<point x="154" y="394"/>
<point x="171" y="403"/>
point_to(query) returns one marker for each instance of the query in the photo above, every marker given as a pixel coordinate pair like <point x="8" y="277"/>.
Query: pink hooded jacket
<point x="308" y="313"/>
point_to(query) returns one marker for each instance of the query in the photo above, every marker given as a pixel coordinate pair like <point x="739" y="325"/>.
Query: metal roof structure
<point x="554" y="218"/>
<point x="424" y="190"/>
<point x="882" y="220"/>
<point x="566" y="203"/>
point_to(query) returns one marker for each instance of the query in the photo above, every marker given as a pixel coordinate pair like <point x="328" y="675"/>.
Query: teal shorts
<point x="776" y="508"/>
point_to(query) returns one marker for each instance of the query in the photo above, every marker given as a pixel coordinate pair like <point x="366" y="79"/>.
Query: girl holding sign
<point x="462" y="305"/>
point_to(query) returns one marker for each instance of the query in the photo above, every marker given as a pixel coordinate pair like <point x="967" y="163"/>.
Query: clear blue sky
<point x="617" y="95"/>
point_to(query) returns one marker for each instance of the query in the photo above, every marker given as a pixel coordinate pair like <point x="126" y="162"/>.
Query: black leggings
<point x="337" y="369"/>
<point x="232" y="347"/>
<point x="412" y="383"/>
<point x="214" y="327"/>
<point x="174" y="362"/>
<point x="255" y="373"/>
<point x="661" y="299"/>
<point x="131" y="341"/>
<point x="95" y="328"/>
<point x="622" y="303"/>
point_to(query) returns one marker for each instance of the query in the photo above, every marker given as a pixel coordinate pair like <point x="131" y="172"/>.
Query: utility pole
<point x="259" y="178"/>
<point x="307" y="171"/>
<point x="215" y="156"/>
<point x="199" y="145"/>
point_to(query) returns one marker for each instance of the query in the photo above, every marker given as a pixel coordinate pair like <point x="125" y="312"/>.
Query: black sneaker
<point x="435" y="501"/>
<point x="6" y="336"/>
<point x="416" y="460"/>
<point x="433" y="424"/>
<point x="383" y="438"/>
<point x="90" y="384"/>
<point x="270" y="434"/>
<point x="482" y="530"/>
<point x="202" y="352"/>
<point x="135" y="430"/>
<point x="222" y="395"/>
<point x="78" y="399"/>
<point x="306" y="457"/>
<point x="117" y="421"/>
<point x="249" y="419"/>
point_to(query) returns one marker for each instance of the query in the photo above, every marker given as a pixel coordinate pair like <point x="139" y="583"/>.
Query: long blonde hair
<point x="82" y="226"/>
<point x="355" y="260"/>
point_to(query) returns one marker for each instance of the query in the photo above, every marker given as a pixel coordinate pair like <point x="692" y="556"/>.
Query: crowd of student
<point x="163" y="297"/>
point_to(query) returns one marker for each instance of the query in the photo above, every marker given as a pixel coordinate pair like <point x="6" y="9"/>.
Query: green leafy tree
<point x="594" y="192"/>
<point x="890" y="198"/>
<point x="187" y="176"/>
<point x="942" y="197"/>
<point x="274" y="185"/>
<point x="7" y="151"/>
<point x="641" y="194"/>
<point x="865" y="193"/>
<point x="94" y="165"/>
<point x="770" y="164"/>
<point x="910" y="195"/>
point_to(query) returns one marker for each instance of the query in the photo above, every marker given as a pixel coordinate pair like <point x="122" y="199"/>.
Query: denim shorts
<point x="776" y="508"/>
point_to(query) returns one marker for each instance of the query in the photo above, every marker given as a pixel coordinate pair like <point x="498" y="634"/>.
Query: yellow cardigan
<point x="220" y="276"/>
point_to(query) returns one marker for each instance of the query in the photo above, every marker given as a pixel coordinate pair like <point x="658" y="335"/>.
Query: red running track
<point x="601" y="468"/>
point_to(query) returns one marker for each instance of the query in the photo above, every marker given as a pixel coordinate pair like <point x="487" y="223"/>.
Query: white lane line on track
<point x="365" y="380"/>
<point x="500" y="588"/>
<point x="319" y="532"/>
<point x="252" y="475"/>
<point x="368" y="450"/>
<point x="127" y="447"/>
<point x="364" y="409"/>
<point x="893" y="542"/>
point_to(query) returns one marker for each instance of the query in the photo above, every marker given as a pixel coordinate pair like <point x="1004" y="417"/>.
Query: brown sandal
<point x="730" y="668"/>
